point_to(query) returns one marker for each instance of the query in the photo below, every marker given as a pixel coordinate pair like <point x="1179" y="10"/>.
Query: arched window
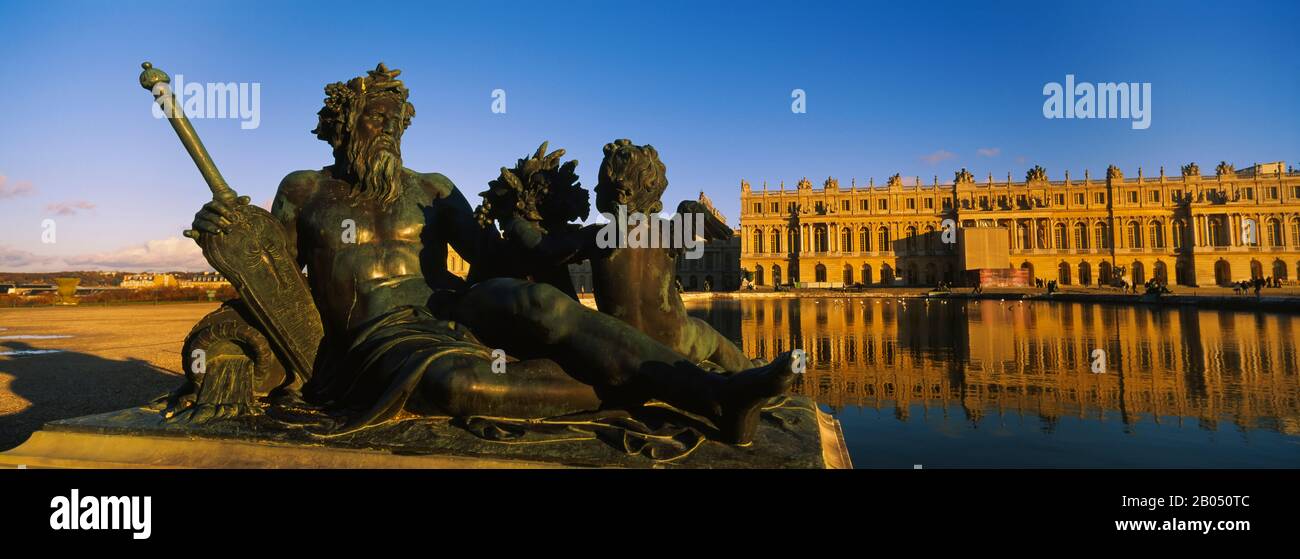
<point x="1063" y="274"/>
<point x="1102" y="235"/>
<point x="866" y="273"/>
<point x="848" y="273"/>
<point x="1059" y="236"/>
<point x="1134" y="234"/>
<point x="758" y="275"/>
<point x="776" y="275"/>
<point x="776" y="241"/>
<point x="864" y="240"/>
<point x="882" y="239"/>
<point x="819" y="273"/>
<point x="1180" y="231"/>
<point x="1250" y="232"/>
<point x="846" y="240"/>
<point x="1274" y="232"/>
<point x="792" y="239"/>
<point x="911" y="238"/>
<point x="1295" y="231"/>
<point x="1080" y="236"/>
<point x="1157" y="234"/>
<point x="1026" y="236"/>
<point x="819" y="238"/>
<point x="757" y="244"/>
<point x="1216" y="234"/>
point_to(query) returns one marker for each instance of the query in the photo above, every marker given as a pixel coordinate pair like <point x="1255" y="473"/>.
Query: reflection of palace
<point x="1037" y="358"/>
<point x="1189" y="229"/>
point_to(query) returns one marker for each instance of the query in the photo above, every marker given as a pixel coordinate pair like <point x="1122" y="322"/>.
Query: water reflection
<point x="961" y="361"/>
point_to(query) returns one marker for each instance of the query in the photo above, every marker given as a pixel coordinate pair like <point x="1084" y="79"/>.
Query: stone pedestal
<point x="794" y="435"/>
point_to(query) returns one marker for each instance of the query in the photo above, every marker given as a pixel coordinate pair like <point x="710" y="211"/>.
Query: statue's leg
<point x="467" y="385"/>
<point x="534" y="320"/>
<point x="228" y="364"/>
<point x="706" y="343"/>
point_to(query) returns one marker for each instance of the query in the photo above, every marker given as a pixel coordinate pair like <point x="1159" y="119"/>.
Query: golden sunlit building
<point x="1188" y="229"/>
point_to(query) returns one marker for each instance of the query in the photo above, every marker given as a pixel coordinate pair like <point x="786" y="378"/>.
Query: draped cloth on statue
<point x="385" y="362"/>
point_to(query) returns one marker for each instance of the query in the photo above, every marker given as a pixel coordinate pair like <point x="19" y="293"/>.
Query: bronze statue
<point x="636" y="285"/>
<point x="399" y="333"/>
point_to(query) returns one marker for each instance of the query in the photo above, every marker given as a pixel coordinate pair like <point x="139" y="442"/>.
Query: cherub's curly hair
<point x="538" y="189"/>
<point x="637" y="171"/>
<point x="345" y="102"/>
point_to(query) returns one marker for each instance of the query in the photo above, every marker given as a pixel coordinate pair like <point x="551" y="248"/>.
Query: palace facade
<point x="1188" y="229"/>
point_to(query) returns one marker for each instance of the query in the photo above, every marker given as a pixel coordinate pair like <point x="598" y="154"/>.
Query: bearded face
<point x="374" y="151"/>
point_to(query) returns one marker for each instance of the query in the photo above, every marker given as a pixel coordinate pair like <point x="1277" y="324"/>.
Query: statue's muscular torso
<point x="400" y="251"/>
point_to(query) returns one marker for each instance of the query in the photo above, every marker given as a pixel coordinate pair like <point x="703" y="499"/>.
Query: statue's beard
<point x="378" y="167"/>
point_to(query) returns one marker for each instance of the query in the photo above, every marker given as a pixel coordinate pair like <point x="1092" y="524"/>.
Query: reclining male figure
<point x="395" y="319"/>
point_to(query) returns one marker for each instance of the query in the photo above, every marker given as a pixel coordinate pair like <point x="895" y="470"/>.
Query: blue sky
<point x="908" y="87"/>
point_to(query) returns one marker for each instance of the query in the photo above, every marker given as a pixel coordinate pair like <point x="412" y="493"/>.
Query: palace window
<point x="1059" y="233"/>
<point x="1180" y="231"/>
<point x="929" y="203"/>
<point x="883" y="204"/>
<point x="1099" y="198"/>
<point x="1022" y="201"/>
<point x="844" y="205"/>
<point x="862" y="205"/>
<point x="1272" y="193"/>
<point x="1102" y="235"/>
<point x="1060" y="199"/>
<point x="1134" y="234"/>
<point x="947" y="203"/>
<point x="757" y="245"/>
<point x="776" y="241"/>
<point x="846" y="240"/>
<point x="864" y="240"/>
<point x="1248" y="193"/>
<point x="911" y="203"/>
<point x="984" y="202"/>
<point x="821" y="208"/>
<point x="758" y="208"/>
<point x="776" y="207"/>
<point x="1080" y="235"/>
<point x="1274" y="232"/>
<point x="1157" y="234"/>
<point x="882" y="240"/>
<point x="1132" y="197"/>
<point x="1078" y="199"/>
<point x="1153" y="196"/>
<point x="790" y="207"/>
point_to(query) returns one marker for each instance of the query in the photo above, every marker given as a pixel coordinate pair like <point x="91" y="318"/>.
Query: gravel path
<point x="60" y="362"/>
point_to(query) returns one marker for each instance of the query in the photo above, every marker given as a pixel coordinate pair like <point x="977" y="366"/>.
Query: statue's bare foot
<point x="745" y="393"/>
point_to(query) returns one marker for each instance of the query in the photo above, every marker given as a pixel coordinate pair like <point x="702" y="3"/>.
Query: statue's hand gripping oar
<point x="255" y="258"/>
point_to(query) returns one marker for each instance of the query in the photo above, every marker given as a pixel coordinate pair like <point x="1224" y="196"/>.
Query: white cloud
<point x="18" y="188"/>
<point x="69" y="208"/>
<point x="163" y="255"/>
<point x="989" y="152"/>
<point x="938" y="156"/>
<point x="175" y="253"/>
